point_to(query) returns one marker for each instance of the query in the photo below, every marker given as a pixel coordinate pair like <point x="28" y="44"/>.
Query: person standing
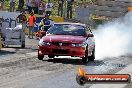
<point x="22" y="20"/>
<point x="45" y="23"/>
<point x="21" y="5"/>
<point x="29" y="5"/>
<point x="69" y="8"/>
<point x="35" y="5"/>
<point x="42" y="6"/>
<point x="31" y="23"/>
<point x="60" y="7"/>
<point x="2" y="4"/>
<point x="12" y="5"/>
<point x="49" y="6"/>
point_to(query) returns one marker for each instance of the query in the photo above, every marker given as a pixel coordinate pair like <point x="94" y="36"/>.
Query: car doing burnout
<point x="68" y="39"/>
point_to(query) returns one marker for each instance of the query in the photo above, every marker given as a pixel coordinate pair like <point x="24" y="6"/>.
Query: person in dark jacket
<point x="69" y="8"/>
<point x="22" y="20"/>
<point x="46" y="23"/>
<point x="21" y="5"/>
<point x="60" y="7"/>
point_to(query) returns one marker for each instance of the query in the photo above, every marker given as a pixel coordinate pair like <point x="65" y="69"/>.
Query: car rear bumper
<point x="62" y="51"/>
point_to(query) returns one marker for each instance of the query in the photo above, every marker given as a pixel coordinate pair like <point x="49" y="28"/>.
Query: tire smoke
<point x="114" y="39"/>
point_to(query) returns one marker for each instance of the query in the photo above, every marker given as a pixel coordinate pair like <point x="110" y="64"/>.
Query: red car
<point x="68" y="39"/>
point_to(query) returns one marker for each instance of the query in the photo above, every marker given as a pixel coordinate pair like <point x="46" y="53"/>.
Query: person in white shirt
<point x="49" y="6"/>
<point x="12" y="5"/>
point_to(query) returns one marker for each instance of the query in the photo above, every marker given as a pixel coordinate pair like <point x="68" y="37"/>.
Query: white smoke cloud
<point x="114" y="38"/>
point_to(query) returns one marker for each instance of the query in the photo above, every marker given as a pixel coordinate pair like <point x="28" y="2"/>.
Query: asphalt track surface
<point x="20" y="68"/>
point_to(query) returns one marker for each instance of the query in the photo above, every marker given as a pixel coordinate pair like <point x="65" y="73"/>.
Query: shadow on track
<point x="3" y="52"/>
<point x="75" y="61"/>
<point x="65" y="61"/>
<point x="26" y="47"/>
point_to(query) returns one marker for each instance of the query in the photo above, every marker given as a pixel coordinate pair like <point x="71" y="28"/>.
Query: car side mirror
<point x="90" y="35"/>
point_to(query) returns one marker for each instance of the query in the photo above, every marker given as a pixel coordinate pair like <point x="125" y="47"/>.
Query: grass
<point x="77" y="2"/>
<point x="55" y="7"/>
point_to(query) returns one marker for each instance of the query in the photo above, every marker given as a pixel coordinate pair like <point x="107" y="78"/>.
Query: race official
<point x="45" y="23"/>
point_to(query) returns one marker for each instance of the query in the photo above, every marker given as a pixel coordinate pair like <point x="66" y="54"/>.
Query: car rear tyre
<point x="85" y="59"/>
<point x="23" y="46"/>
<point x="92" y="57"/>
<point x="51" y="56"/>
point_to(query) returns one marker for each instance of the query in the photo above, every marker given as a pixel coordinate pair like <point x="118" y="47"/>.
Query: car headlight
<point x="44" y="43"/>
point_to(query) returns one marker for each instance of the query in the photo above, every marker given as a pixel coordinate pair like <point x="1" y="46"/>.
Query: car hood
<point x="64" y="38"/>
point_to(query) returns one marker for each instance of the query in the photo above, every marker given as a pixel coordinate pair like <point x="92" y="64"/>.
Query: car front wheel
<point x="40" y="57"/>
<point x="85" y="59"/>
<point x="92" y="57"/>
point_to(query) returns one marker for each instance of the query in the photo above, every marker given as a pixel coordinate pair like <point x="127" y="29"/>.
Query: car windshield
<point x="67" y="29"/>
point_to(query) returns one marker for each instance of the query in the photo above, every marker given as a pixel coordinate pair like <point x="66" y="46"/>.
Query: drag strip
<point x="54" y="73"/>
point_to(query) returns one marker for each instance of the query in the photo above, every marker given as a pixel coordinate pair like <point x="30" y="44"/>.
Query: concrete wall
<point x="108" y="8"/>
<point x="115" y="8"/>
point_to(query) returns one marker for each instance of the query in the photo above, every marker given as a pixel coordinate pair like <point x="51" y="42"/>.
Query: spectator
<point x="35" y="5"/>
<point x="1" y="21"/>
<point x="49" y="6"/>
<point x="69" y="8"/>
<point x="42" y="6"/>
<point x="20" y="5"/>
<point x="12" y="5"/>
<point x="60" y="7"/>
<point x="2" y="4"/>
<point x="31" y="23"/>
<point x="22" y="20"/>
<point x="29" y="5"/>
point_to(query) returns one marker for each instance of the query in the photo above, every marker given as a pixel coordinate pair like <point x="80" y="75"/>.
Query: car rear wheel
<point x="51" y="56"/>
<point x="85" y="59"/>
<point x="92" y="57"/>
<point x="23" y="46"/>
